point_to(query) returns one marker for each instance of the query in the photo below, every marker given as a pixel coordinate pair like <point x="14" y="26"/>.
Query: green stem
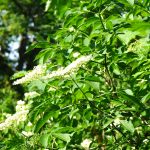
<point x="90" y="102"/>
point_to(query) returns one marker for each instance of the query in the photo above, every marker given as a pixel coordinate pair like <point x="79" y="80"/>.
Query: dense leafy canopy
<point x="104" y="100"/>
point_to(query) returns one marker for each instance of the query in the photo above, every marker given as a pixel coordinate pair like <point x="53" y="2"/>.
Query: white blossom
<point x="145" y="141"/>
<point x="116" y="121"/>
<point x="29" y="124"/>
<point x="71" y="29"/>
<point x="27" y="134"/>
<point x="52" y="89"/>
<point x="76" y="54"/>
<point x="75" y="65"/>
<point x="86" y="144"/>
<point x="20" y="115"/>
<point x="37" y="72"/>
<point x="20" y="102"/>
<point x="32" y="94"/>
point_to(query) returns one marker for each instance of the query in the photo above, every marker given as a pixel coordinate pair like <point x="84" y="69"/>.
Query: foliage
<point x="106" y="101"/>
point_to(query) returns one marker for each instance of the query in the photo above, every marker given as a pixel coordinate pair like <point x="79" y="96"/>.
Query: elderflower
<point x="27" y="134"/>
<point x="86" y="144"/>
<point x="29" y="124"/>
<point x="75" y="65"/>
<point x="37" y="72"/>
<point x="52" y="89"/>
<point x="117" y="121"/>
<point x="71" y="29"/>
<point x="20" y="115"/>
<point x="31" y="95"/>
<point x="76" y="54"/>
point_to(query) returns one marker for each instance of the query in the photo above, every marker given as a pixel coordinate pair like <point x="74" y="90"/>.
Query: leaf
<point x="37" y="84"/>
<point x="92" y="78"/>
<point x="94" y="85"/>
<point x="64" y="148"/>
<point x="131" y="2"/>
<point x="50" y="112"/>
<point x="107" y="123"/>
<point x="44" y="140"/>
<point x="62" y="136"/>
<point x="116" y="69"/>
<point x="129" y="92"/>
<point x="42" y="44"/>
<point x="127" y="35"/>
<point x="127" y="125"/>
<point x="145" y="98"/>
<point x="138" y="74"/>
<point x="109" y="25"/>
<point x="78" y="94"/>
<point x="69" y="38"/>
<point x="43" y="53"/>
<point x="18" y="75"/>
<point x="86" y="41"/>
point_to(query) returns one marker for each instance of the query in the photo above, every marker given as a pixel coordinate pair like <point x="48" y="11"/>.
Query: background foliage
<point x="106" y="100"/>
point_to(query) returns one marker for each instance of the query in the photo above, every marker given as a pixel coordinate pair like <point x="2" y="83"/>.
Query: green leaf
<point x="145" y="98"/>
<point x="127" y="125"/>
<point x="109" y="25"/>
<point x="131" y="2"/>
<point x="86" y="41"/>
<point x="50" y="112"/>
<point x="109" y="121"/>
<point x="127" y="35"/>
<point x="129" y="92"/>
<point x="69" y="38"/>
<point x="44" y="140"/>
<point x="94" y="85"/>
<point x="42" y="44"/>
<point x="115" y="69"/>
<point x="37" y="85"/>
<point x="18" y="75"/>
<point x="62" y="136"/>
<point x="92" y="78"/>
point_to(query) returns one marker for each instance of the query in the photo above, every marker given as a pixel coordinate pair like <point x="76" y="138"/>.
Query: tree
<point x="91" y="87"/>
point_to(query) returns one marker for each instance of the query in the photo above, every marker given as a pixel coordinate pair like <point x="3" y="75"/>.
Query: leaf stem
<point x="90" y="102"/>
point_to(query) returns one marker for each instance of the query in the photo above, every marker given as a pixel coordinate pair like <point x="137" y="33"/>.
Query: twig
<point x="90" y="102"/>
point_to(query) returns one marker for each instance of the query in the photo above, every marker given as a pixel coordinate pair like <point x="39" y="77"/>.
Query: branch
<point x="107" y="71"/>
<point x="90" y="102"/>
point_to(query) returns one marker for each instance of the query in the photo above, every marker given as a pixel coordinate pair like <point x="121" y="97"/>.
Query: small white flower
<point x="20" y="102"/>
<point x="71" y="29"/>
<point x="76" y="54"/>
<point x="30" y="95"/>
<point x="86" y="144"/>
<point x="27" y="134"/>
<point x="29" y="124"/>
<point x="145" y="141"/>
<point x="52" y="89"/>
<point x="116" y="121"/>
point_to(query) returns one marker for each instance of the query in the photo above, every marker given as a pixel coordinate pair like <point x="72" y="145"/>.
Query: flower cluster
<point x="37" y="72"/>
<point x="31" y="95"/>
<point x="75" y="65"/>
<point x="20" y="115"/>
